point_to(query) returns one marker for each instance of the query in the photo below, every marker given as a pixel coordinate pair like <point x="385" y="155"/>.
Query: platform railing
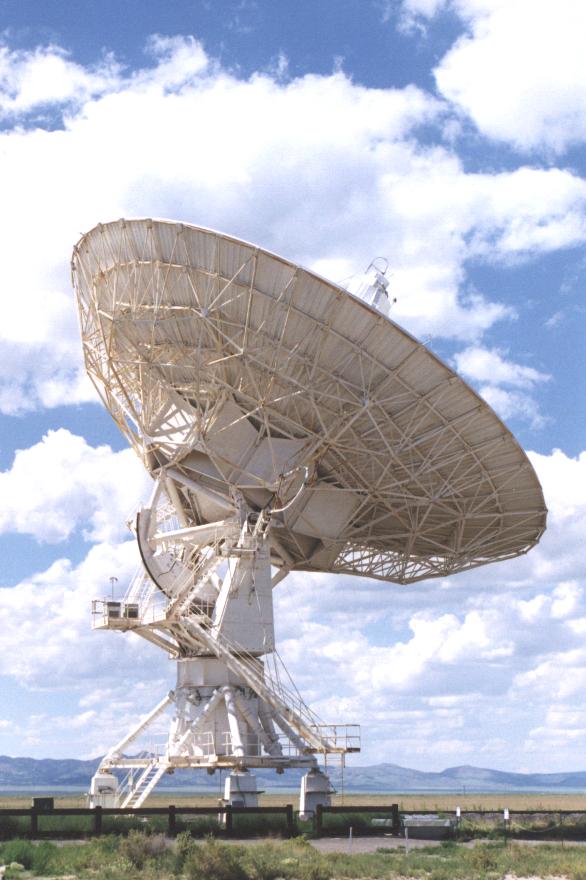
<point x="344" y="737"/>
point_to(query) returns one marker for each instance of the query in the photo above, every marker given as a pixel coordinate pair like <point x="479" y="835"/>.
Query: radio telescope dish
<point x="239" y="369"/>
<point x="281" y="414"/>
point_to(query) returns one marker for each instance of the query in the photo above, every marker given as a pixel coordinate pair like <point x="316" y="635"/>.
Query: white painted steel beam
<point x="117" y="750"/>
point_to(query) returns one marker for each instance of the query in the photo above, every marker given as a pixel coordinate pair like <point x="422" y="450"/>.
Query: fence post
<point x="172" y="828"/>
<point x="34" y="822"/>
<point x="228" y="823"/>
<point x="395" y="817"/>
<point x="97" y="820"/>
<point x="318" y="820"/>
<point x="290" y="822"/>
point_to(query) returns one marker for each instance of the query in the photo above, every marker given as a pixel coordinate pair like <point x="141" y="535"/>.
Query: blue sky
<point x="245" y="36"/>
<point x="445" y="135"/>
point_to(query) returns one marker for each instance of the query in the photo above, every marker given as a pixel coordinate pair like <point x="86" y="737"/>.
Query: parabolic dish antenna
<point x="289" y="423"/>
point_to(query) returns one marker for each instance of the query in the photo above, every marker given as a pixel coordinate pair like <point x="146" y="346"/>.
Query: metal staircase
<point x="150" y="776"/>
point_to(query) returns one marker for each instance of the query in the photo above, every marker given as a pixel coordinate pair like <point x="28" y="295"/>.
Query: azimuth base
<point x="230" y="709"/>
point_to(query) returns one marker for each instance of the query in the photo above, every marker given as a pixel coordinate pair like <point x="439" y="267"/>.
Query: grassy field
<point x="481" y="816"/>
<point x="151" y="858"/>
<point x="407" y="802"/>
<point x="132" y="854"/>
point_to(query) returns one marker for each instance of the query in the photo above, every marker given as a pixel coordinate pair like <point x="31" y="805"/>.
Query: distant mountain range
<point x="32" y="773"/>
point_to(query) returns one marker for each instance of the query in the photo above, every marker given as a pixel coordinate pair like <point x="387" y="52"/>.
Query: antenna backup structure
<point x="289" y="425"/>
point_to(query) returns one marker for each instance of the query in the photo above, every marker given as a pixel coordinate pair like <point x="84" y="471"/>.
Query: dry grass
<point x="407" y="802"/>
<point x="514" y="801"/>
<point x="145" y="857"/>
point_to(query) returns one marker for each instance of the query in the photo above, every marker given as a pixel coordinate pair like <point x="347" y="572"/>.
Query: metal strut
<point x="205" y="595"/>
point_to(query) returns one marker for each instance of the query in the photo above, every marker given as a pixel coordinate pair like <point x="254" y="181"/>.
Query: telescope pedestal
<point x="240" y="789"/>
<point x="231" y="709"/>
<point x="316" y="789"/>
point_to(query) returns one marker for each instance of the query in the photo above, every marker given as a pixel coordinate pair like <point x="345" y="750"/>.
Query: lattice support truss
<point x="194" y="339"/>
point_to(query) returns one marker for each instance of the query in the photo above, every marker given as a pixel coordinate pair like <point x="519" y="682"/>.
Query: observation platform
<point x="122" y="615"/>
<point x="217" y="751"/>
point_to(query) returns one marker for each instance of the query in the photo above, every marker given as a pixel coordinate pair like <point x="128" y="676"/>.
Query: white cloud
<point x="478" y="651"/>
<point x="489" y="369"/>
<point x="515" y="221"/>
<point x="29" y="79"/>
<point x="513" y="404"/>
<point x="489" y="365"/>
<point x="355" y="648"/>
<point x="33" y="79"/>
<point x="179" y="60"/>
<point x="261" y="158"/>
<point x="320" y="154"/>
<point x="50" y="647"/>
<point x="562" y="729"/>
<point x="427" y="8"/>
<point x="62" y="483"/>
<point x="557" y="678"/>
<point x="411" y="14"/>
<point x="435" y="642"/>
<point x="566" y="597"/>
<point x="49" y="643"/>
<point x="564" y="483"/>
<point x="518" y="71"/>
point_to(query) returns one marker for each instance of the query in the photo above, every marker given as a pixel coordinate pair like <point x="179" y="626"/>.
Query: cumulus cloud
<point x="563" y="728"/>
<point x="477" y="650"/>
<point x="411" y="15"/>
<point x="63" y="483"/>
<point x="46" y="75"/>
<point x="95" y="730"/>
<point x="514" y="405"/>
<point x="564" y="482"/>
<point x="317" y="153"/>
<point x="49" y="643"/>
<point x="262" y="158"/>
<point x="514" y="221"/>
<point x="356" y="649"/>
<point x="487" y="661"/>
<point x="489" y="365"/>
<point x="517" y="71"/>
<point x="50" y="646"/>
<point x="490" y="370"/>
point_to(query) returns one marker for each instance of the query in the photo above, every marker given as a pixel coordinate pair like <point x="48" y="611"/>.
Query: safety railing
<point x="113" y="613"/>
<point x="198" y="744"/>
<point x="340" y="737"/>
